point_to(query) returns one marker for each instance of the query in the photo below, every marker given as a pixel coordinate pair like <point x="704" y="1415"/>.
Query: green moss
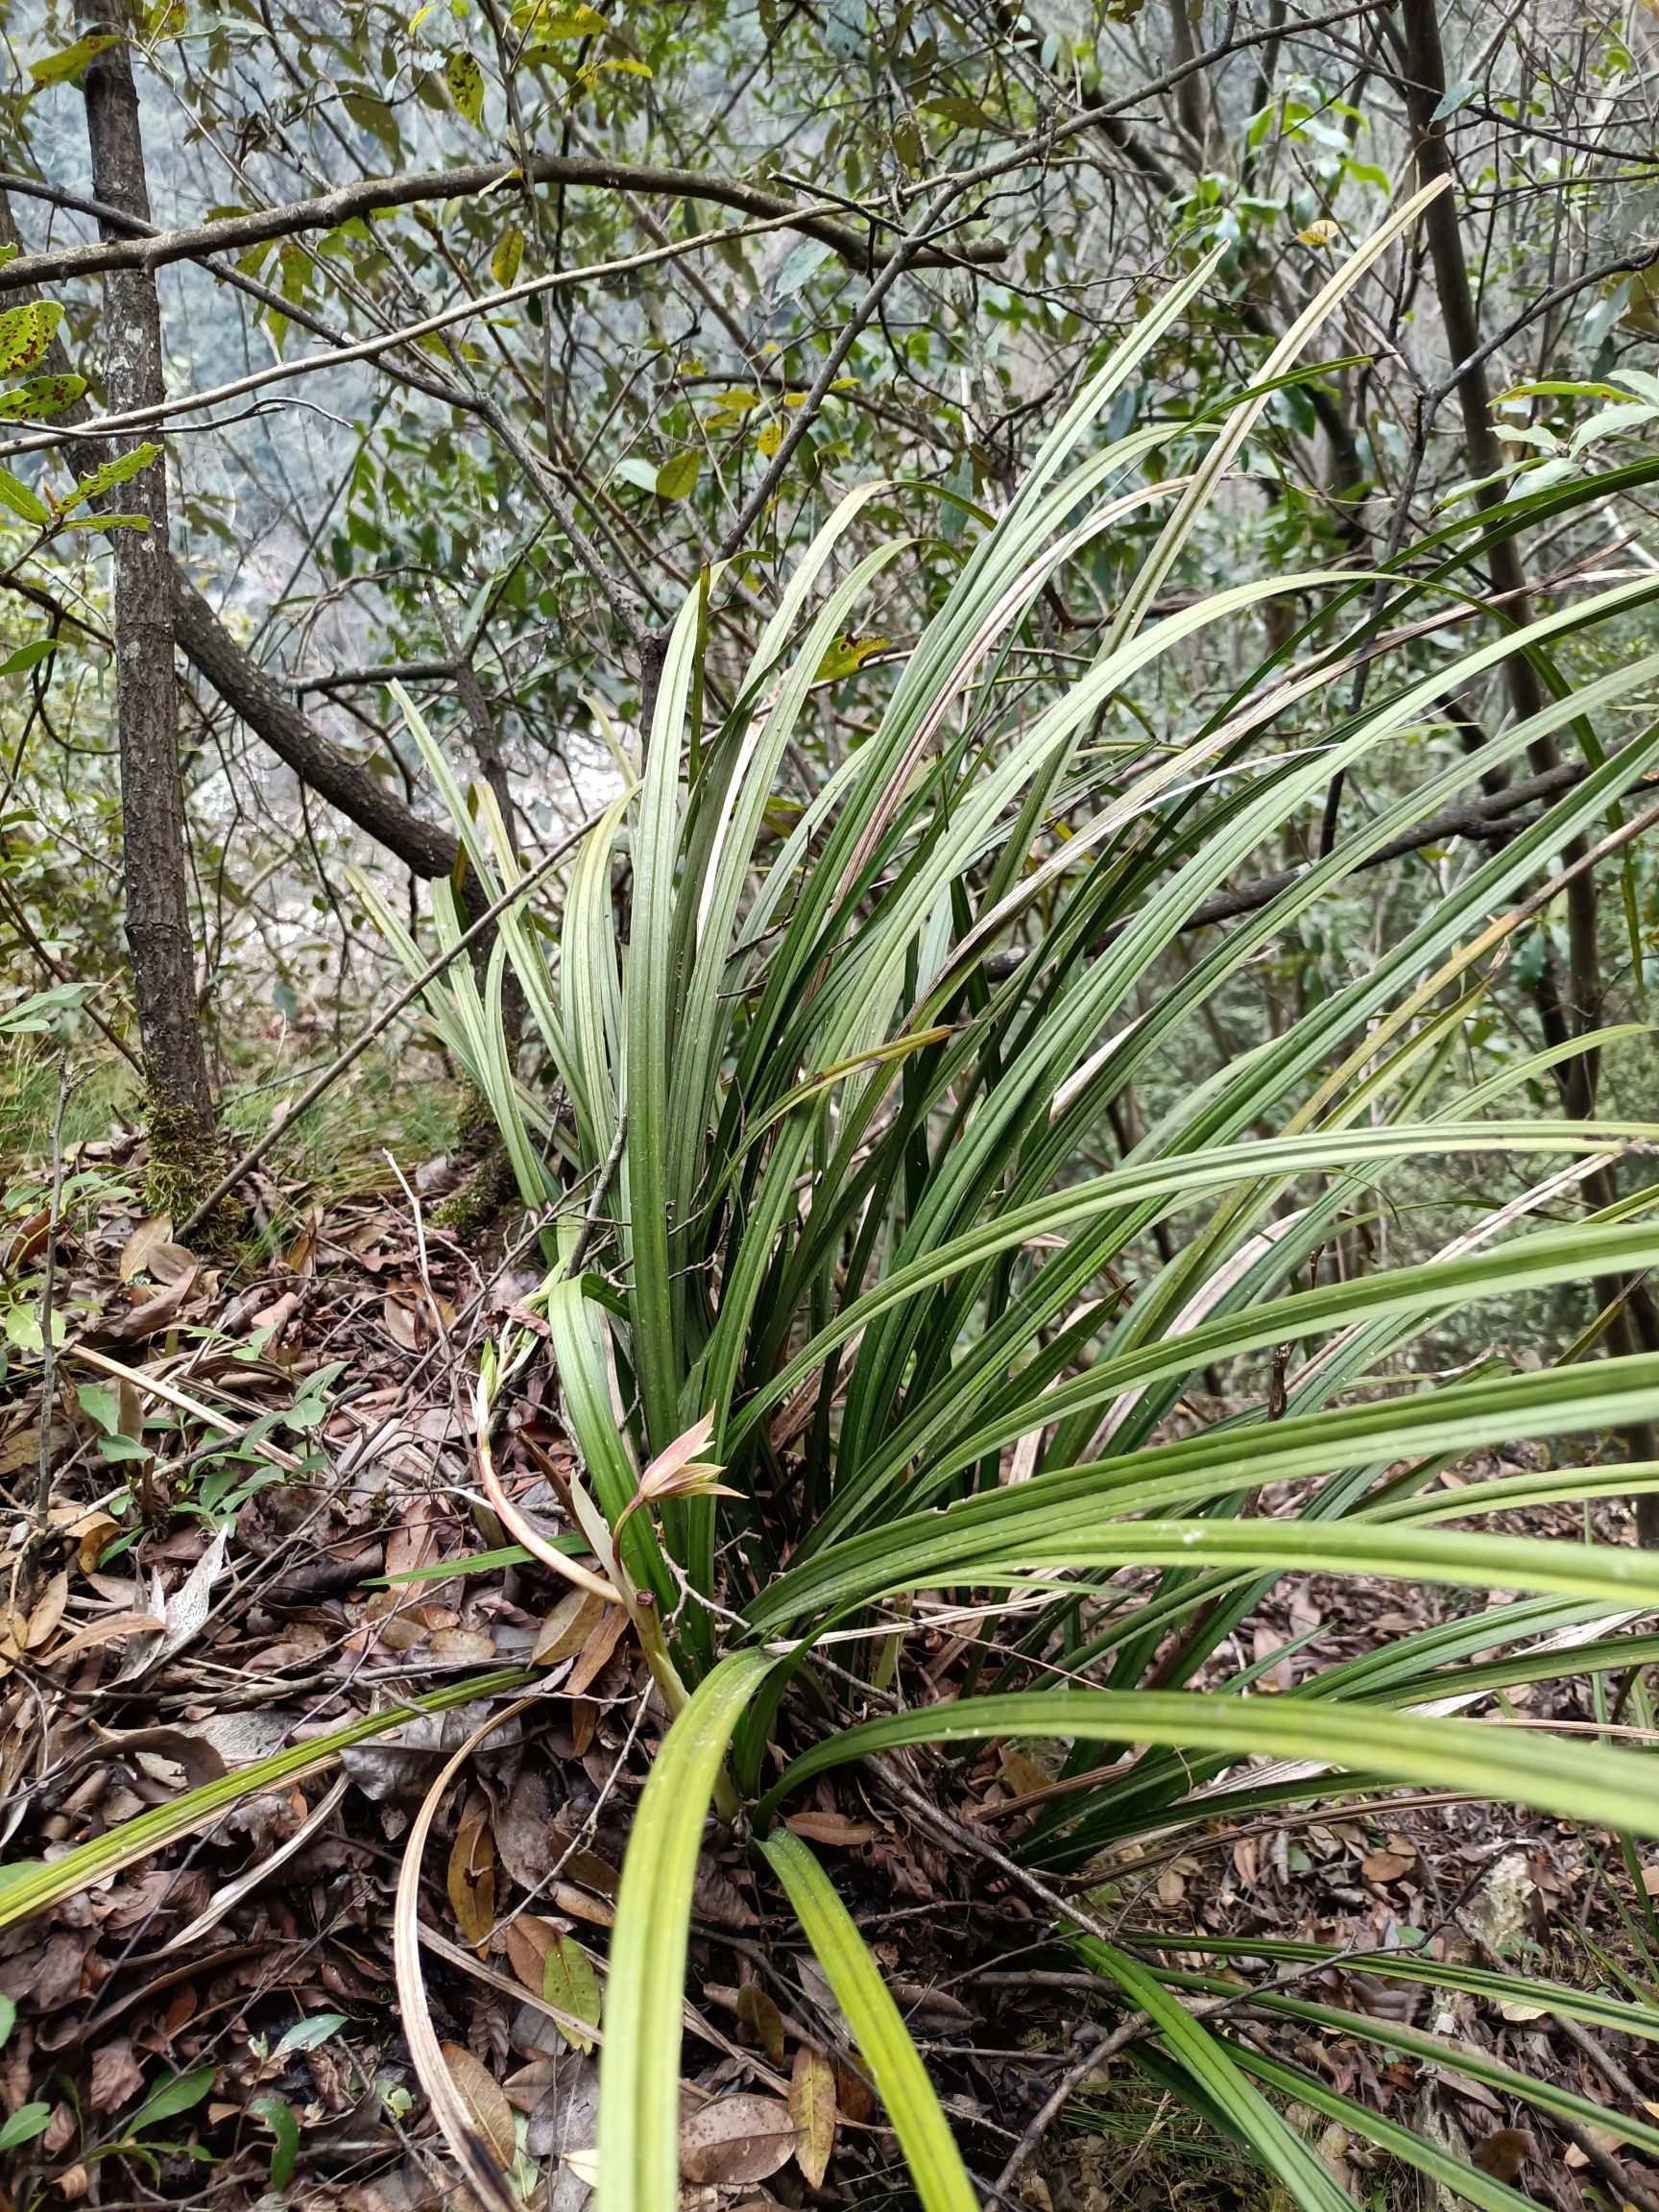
<point x="185" y="1163"/>
<point x="492" y="1186"/>
<point x="476" y="1129"/>
<point x="487" y="1193"/>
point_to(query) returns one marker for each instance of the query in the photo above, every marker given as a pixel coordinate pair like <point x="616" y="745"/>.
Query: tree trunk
<point x="1190" y="101"/>
<point x="250" y="692"/>
<point x="1636" y="1323"/>
<point x="180" y="1106"/>
<point x="1424" y="66"/>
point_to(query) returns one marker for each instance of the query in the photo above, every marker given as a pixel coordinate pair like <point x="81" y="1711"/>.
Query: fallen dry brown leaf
<point x="735" y="2139"/>
<point x="813" y="2108"/>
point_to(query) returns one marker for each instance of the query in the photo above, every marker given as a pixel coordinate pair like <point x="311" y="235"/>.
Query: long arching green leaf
<point x="1559" y="1256"/>
<point x="1575" y="1780"/>
<point x="1075" y="1536"/>
<point x="1212" y="2067"/>
<point x="26" y="1889"/>
<point x="1591" y="2006"/>
<point x="1456" y="2176"/>
<point x="1061" y="1518"/>
<point x="640" y="2070"/>
<point x="883" y="2040"/>
<point x="1170" y="1182"/>
<point x="577" y="1325"/>
<point x="1438" y="2050"/>
<point x="651" y="993"/>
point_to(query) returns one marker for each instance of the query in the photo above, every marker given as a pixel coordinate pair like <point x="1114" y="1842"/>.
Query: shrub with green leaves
<point x="857" y="1248"/>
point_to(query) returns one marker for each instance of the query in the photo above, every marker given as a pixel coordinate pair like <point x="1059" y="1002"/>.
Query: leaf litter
<point x="263" y="1521"/>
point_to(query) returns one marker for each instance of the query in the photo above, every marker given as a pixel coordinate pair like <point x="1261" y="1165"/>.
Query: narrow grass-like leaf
<point x="1594" y="2007"/>
<point x="1458" y="2176"/>
<point x="884" y="2041"/>
<point x="1059" y="1518"/>
<point x="1577" y="1781"/>
<point x="30" y="1889"/>
<point x="1441" y="2051"/>
<point x="640" y="2070"/>
<point x="1176" y="1182"/>
<point x="1280" y="2151"/>
<point x="650" y="1011"/>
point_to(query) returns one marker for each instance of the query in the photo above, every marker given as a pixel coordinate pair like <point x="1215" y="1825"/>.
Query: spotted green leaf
<point x="69" y="60"/>
<point x="121" y="470"/>
<point x="570" y="1981"/>
<point x="25" y="332"/>
<point x="509" y="254"/>
<point x="464" y="81"/>
<point x="40" y="397"/>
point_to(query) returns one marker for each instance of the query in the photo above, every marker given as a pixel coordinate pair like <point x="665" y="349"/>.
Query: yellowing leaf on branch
<point x="509" y="254"/>
<point x="733" y="408"/>
<point x="957" y="108"/>
<point x="677" y="478"/>
<point x="69" y="60"/>
<point x="1642" y="300"/>
<point x="550" y="19"/>
<point x="463" y="80"/>
<point x="847" y="655"/>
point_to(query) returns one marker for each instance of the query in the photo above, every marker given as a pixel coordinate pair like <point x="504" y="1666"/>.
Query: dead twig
<point x="595" y="1204"/>
<point x="1625" y="2188"/>
<point x="41" y="1518"/>
<point x="474" y="2154"/>
<point x="1095" y="2051"/>
<point x="160" y="1388"/>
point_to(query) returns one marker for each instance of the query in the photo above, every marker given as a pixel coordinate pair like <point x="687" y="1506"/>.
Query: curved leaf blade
<point x="923" y="2131"/>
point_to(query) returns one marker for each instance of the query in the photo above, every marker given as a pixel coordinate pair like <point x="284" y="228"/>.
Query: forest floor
<point x="253" y="1514"/>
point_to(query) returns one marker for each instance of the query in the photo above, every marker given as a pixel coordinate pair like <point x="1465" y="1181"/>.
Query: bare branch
<point x="146" y="247"/>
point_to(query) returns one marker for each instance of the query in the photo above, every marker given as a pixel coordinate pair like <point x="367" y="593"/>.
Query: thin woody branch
<point x="268" y="708"/>
<point x="151" y="248"/>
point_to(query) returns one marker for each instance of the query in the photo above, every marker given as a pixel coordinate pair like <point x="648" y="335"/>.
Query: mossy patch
<point x="487" y="1193"/>
<point x="185" y="1161"/>
<point x="475" y="1131"/>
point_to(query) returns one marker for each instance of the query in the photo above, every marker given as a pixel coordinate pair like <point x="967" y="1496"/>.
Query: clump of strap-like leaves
<point x="852" y="1238"/>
